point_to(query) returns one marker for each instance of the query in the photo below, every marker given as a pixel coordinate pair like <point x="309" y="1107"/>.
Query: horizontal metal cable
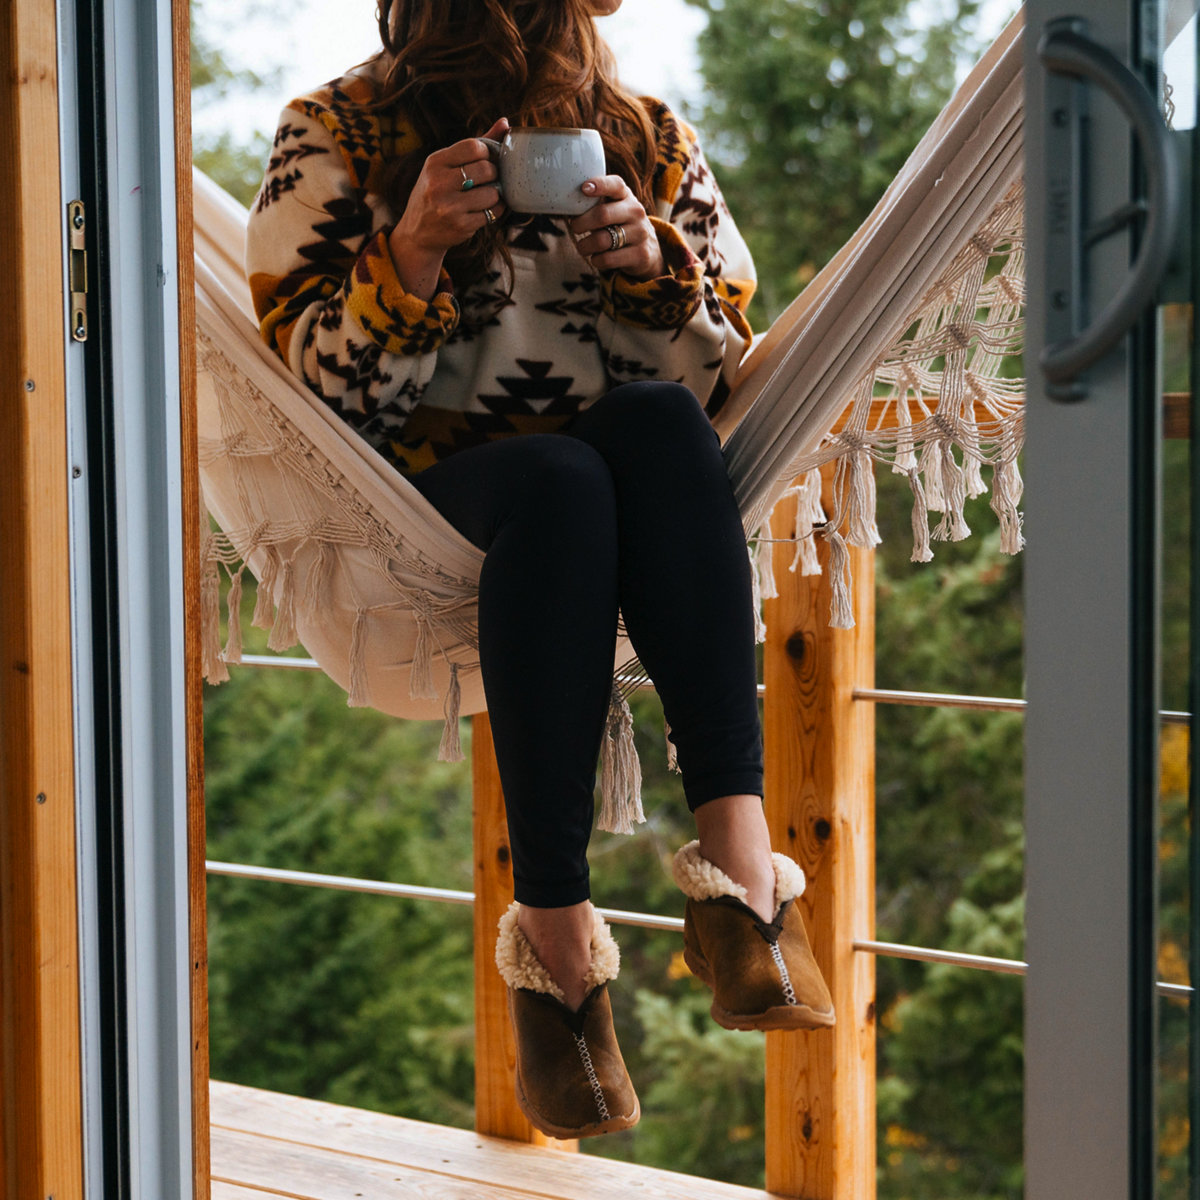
<point x="878" y="695"/>
<point x="409" y="891"/>
<point x="277" y="660"/>
<point x="617" y="916"/>
<point x="344" y="883"/>
<point x="989" y="703"/>
<point x="979" y="962"/>
<point x="938" y="699"/>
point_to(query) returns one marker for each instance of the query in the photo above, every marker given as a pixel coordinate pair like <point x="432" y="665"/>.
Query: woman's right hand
<point x="440" y="214"/>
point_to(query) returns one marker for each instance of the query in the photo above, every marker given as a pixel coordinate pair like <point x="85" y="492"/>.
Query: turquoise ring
<point x="468" y="183"/>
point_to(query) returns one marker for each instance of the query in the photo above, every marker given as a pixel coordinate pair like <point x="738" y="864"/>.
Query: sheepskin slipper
<point x="571" y="1077"/>
<point x="763" y="976"/>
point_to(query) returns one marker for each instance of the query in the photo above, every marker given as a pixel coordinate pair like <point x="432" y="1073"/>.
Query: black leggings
<point x="631" y="508"/>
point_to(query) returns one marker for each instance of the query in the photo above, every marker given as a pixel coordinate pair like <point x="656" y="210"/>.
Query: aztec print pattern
<point x="420" y="379"/>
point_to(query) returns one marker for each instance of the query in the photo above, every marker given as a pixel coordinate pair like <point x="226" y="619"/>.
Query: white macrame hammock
<point x="904" y="332"/>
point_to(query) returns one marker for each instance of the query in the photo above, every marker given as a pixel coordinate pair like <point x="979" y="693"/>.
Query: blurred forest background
<point x="808" y="109"/>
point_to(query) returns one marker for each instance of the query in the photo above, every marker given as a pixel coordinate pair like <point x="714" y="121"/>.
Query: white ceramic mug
<point x="542" y="170"/>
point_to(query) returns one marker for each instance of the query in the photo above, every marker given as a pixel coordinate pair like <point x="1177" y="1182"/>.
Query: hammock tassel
<point x="620" y="771"/>
<point x="863" y="531"/>
<point x="756" y="600"/>
<point x="921" y="553"/>
<point x="264" y="603"/>
<point x="973" y="473"/>
<point x="810" y="516"/>
<point x="905" y="459"/>
<point x="214" y="669"/>
<point x="931" y="469"/>
<point x="450" y="749"/>
<point x="1006" y="495"/>
<point x="283" y="630"/>
<point x="764" y="564"/>
<point x="316" y="589"/>
<point x="953" y="526"/>
<point x="233" y="609"/>
<point x="672" y="752"/>
<point x="359" y="696"/>
<point x="420" y="681"/>
<point x="841" y="612"/>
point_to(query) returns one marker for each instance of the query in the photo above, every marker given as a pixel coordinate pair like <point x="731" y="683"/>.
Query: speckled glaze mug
<point x="542" y="170"/>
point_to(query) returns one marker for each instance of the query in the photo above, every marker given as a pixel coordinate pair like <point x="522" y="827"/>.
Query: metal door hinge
<point x="77" y="280"/>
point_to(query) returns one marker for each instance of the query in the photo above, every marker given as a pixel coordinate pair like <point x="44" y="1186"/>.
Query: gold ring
<point x="491" y="216"/>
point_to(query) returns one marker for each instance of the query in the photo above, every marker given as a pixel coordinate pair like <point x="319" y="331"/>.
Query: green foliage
<point x="236" y="162"/>
<point x="358" y="999"/>
<point x="951" y="1060"/>
<point x="712" y="1075"/>
<point x="812" y="108"/>
<point x="237" y="165"/>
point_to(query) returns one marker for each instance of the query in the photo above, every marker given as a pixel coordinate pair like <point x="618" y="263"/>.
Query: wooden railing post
<point x="496" y="1110"/>
<point x="820" y="793"/>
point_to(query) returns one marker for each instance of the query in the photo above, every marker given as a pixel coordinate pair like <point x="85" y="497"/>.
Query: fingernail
<point x="589" y="188"/>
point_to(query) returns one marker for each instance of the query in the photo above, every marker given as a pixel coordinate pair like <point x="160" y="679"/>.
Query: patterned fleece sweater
<point x="421" y="379"/>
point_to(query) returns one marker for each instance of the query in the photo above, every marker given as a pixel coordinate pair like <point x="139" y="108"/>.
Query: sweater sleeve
<point x="324" y="286"/>
<point x="689" y="323"/>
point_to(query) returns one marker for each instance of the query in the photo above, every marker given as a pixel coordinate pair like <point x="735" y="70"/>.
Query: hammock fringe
<point x="620" y="771"/>
<point x="233" y="608"/>
<point x="450" y="748"/>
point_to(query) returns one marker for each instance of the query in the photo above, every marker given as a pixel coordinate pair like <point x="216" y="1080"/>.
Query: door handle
<point x="1072" y="59"/>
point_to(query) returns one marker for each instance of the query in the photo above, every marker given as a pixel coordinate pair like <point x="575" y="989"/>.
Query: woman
<point x="545" y="384"/>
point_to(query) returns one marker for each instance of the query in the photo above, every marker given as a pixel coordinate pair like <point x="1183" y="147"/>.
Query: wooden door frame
<point x="41" y="1120"/>
<point x="41" y="1085"/>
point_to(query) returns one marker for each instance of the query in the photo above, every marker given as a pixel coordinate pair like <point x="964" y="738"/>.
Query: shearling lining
<point x="520" y="967"/>
<point x="700" y="879"/>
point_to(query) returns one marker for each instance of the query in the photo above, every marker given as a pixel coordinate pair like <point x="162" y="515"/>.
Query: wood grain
<point x="193" y="515"/>
<point x="40" y="1125"/>
<point x="819" y="744"/>
<point x="496" y="1110"/>
<point x="286" y="1125"/>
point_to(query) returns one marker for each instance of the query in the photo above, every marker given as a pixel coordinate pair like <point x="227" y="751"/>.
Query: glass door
<point x="1110" y="1024"/>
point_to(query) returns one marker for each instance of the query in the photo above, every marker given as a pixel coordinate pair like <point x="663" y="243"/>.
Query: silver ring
<point x="468" y="183"/>
<point x="616" y="235"/>
<point x="491" y="216"/>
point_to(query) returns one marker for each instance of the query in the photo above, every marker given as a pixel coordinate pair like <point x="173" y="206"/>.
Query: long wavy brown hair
<point x="455" y="66"/>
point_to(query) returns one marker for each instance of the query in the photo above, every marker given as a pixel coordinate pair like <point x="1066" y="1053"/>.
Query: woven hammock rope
<point x="942" y="386"/>
<point x="910" y="328"/>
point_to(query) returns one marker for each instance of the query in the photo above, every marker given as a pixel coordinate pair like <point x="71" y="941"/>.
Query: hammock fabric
<point x="355" y="564"/>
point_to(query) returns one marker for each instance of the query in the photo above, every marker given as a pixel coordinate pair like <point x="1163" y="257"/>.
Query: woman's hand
<point x="444" y="210"/>
<point x="616" y="234"/>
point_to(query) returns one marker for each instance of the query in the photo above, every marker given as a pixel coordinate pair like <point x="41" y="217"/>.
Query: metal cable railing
<point x="616" y="916"/>
<point x="1005" y="966"/>
<point x="875" y="695"/>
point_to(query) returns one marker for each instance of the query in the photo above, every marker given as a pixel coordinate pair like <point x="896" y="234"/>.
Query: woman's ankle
<point x="733" y="836"/>
<point x="561" y="938"/>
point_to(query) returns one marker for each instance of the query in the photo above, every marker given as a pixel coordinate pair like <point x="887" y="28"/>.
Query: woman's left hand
<point x="615" y="234"/>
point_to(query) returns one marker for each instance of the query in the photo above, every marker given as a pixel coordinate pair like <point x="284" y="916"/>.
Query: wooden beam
<point x="820" y="756"/>
<point x="41" y="1111"/>
<point x="496" y="1110"/>
<point x="193" y="517"/>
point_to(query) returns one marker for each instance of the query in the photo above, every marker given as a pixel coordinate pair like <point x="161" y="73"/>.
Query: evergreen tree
<point x="811" y="108"/>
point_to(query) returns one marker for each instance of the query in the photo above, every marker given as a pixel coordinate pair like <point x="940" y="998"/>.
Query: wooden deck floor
<point x="268" y="1145"/>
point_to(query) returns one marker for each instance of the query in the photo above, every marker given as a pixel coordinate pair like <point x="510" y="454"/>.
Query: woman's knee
<point x="562" y="475"/>
<point x="654" y="409"/>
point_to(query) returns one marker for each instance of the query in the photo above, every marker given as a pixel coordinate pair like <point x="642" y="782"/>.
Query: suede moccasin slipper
<point x="763" y="976"/>
<point x="571" y="1077"/>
